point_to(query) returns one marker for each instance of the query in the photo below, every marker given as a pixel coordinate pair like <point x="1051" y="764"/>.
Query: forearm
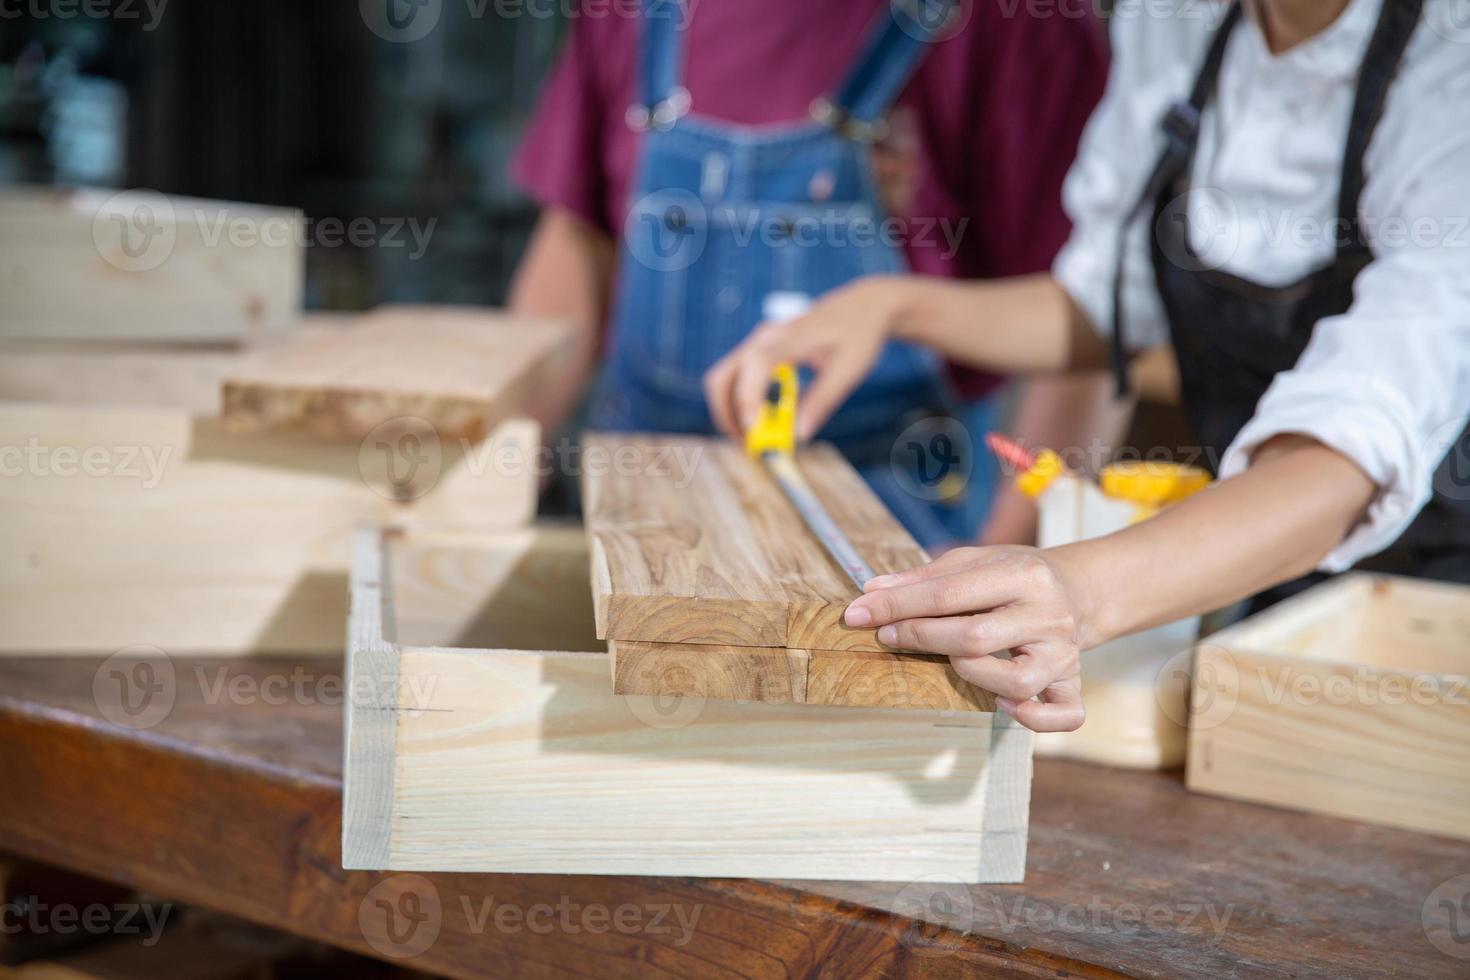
<point x="566" y="274"/>
<point x="1020" y="325"/>
<point x="1272" y="523"/>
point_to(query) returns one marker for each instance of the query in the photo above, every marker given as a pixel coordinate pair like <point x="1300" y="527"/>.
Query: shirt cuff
<point x="1370" y="425"/>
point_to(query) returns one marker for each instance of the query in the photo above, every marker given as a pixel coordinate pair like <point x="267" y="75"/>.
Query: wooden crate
<point x="1351" y="699"/>
<point x="135" y="265"/>
<point x="467" y="753"/>
<point x="183" y="536"/>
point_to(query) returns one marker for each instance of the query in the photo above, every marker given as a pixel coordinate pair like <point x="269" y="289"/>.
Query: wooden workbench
<point x="232" y="801"/>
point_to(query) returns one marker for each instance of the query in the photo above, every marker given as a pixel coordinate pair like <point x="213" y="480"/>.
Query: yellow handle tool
<point x="773" y="441"/>
<point x="775" y="428"/>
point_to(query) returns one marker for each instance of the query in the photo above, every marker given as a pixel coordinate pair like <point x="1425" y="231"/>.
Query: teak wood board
<point x="693" y="542"/>
<point x="708" y="583"/>
<point x="458" y="369"/>
<point x="481" y="760"/>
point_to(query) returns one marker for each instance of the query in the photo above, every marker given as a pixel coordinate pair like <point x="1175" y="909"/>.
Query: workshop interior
<point x="734" y="488"/>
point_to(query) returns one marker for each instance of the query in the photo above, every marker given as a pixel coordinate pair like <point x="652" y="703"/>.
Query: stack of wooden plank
<point x="134" y="516"/>
<point x="707" y="583"/>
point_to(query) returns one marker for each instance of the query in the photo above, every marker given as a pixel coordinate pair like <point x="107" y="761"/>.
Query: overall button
<point x="675" y="219"/>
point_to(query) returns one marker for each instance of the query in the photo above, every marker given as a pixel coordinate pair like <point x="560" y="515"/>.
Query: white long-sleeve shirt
<point x="1388" y="382"/>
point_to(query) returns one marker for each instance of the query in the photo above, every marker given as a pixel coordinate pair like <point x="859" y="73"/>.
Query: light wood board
<point x="98" y="265"/>
<point x="496" y="760"/>
<point x="190" y="539"/>
<point x="459" y="369"/>
<point x="1351" y="699"/>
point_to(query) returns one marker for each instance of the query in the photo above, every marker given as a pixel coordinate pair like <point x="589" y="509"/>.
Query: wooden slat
<point x="498" y="756"/>
<point x="93" y="265"/>
<point x="693" y="542"/>
<point x="459" y="369"/>
<point x="783" y="675"/>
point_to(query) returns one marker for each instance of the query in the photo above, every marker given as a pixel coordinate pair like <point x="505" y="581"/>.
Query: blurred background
<point x="313" y="105"/>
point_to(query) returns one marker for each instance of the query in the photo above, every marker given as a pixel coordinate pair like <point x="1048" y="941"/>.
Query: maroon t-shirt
<point x="983" y="133"/>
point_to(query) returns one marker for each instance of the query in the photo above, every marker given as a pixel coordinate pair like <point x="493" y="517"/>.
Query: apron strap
<point x="1181" y="134"/>
<point x="1396" y="23"/>
<point x="896" y="44"/>
<point x="663" y="97"/>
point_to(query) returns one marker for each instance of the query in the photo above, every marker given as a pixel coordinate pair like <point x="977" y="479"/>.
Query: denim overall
<point x="1232" y="336"/>
<point x="725" y="216"/>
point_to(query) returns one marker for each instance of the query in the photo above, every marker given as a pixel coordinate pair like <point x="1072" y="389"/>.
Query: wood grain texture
<point x="485" y="760"/>
<point x="1352" y="699"/>
<point x="458" y="369"/>
<point x="97" y="265"/>
<point x="500" y="754"/>
<point x="693" y="542"/>
<point x="235" y="804"/>
<point x="189" y="538"/>
<point x="783" y="675"/>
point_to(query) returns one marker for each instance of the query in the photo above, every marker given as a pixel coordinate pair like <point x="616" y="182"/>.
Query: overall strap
<point x="896" y="44"/>
<point x="1396" y="23"/>
<point x="1181" y="134"/>
<point x="661" y="92"/>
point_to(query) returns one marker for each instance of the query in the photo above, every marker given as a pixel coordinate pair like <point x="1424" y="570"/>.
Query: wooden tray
<point x="1351" y="699"/>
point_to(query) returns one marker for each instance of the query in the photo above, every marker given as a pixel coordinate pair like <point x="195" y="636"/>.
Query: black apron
<point x="1232" y="336"/>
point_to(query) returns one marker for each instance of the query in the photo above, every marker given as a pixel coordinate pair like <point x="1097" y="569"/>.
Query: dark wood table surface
<point x="231" y="799"/>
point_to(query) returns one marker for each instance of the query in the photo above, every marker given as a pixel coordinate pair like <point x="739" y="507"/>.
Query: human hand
<point x="971" y="603"/>
<point x="840" y="338"/>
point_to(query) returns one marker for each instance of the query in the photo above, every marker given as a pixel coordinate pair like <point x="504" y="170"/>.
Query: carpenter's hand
<point x="971" y="603"/>
<point x="840" y="338"/>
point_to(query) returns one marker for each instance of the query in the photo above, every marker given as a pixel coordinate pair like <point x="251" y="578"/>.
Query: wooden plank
<point x="1252" y="891"/>
<point x="499" y="753"/>
<point x="526" y="738"/>
<point x="692" y="542"/>
<point x="782" y="675"/>
<point x="185" y="537"/>
<point x="1289" y="709"/>
<point x="458" y="369"/>
<point x="92" y="264"/>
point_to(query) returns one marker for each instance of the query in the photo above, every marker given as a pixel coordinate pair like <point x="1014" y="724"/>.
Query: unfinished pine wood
<point x="488" y="760"/>
<point x="1352" y="699"/>
<point x="780" y="675"/>
<point x="693" y="542"/>
<point x="188" y="538"/>
<point x="460" y="369"/>
<point x="97" y="265"/>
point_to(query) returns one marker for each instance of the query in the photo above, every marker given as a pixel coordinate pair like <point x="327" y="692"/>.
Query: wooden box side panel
<point x="526" y="762"/>
<point x="1382" y="746"/>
